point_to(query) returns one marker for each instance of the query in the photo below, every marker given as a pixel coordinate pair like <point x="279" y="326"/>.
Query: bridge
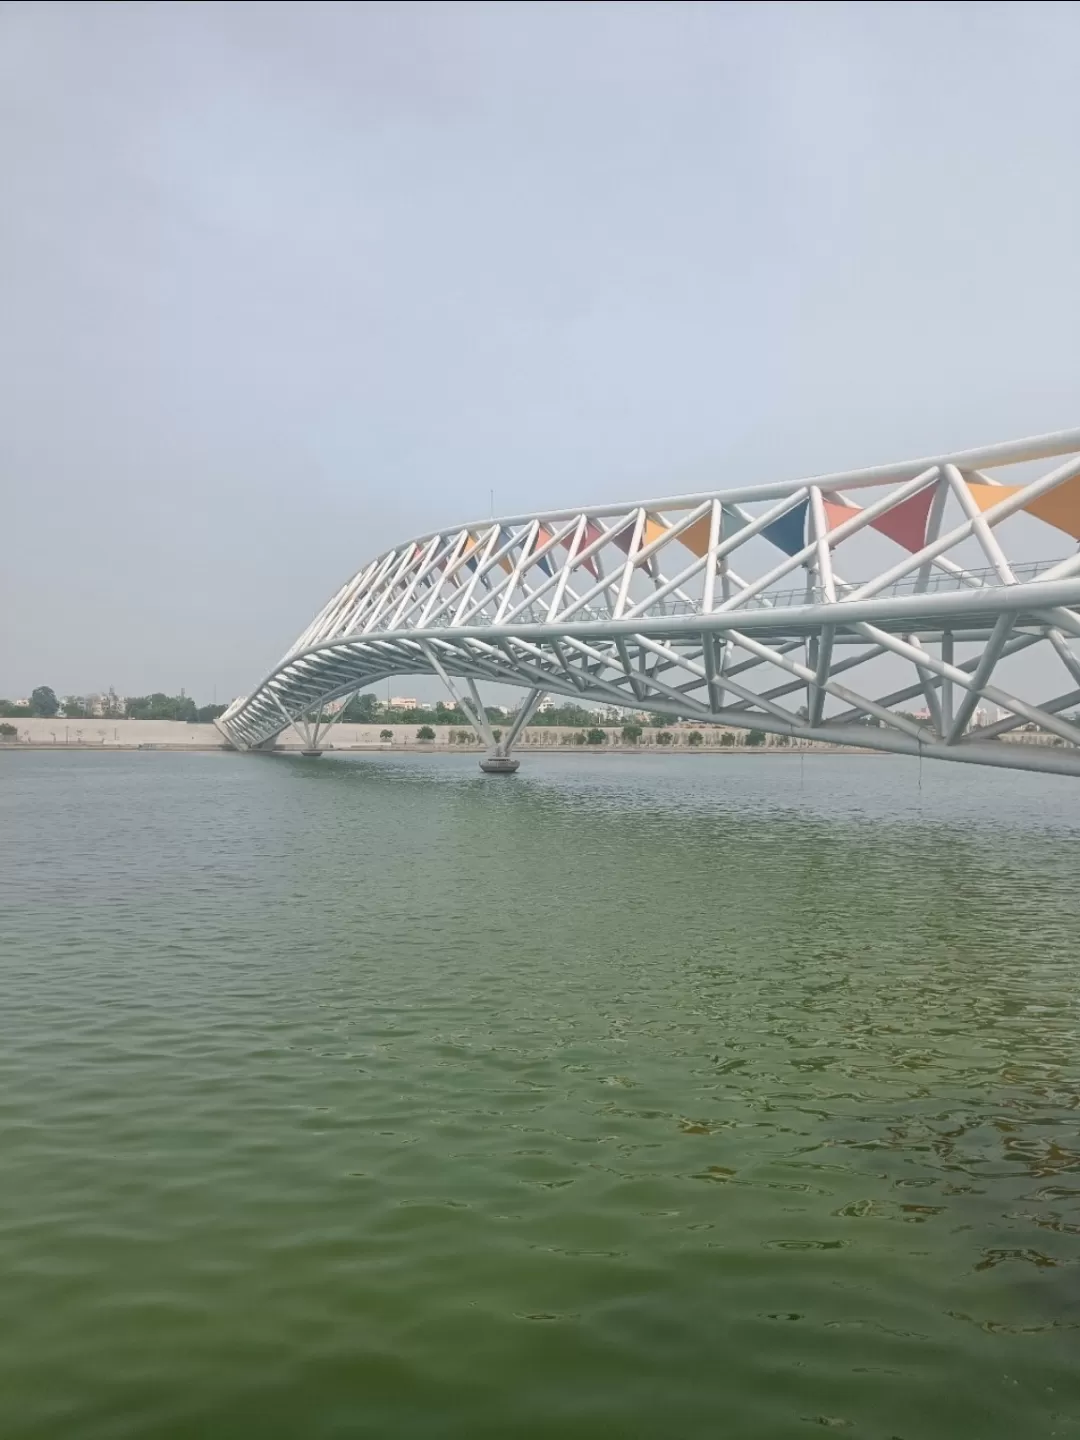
<point x="885" y="607"/>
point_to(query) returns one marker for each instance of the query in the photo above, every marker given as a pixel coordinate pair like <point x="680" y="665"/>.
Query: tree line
<point x="45" y="703"/>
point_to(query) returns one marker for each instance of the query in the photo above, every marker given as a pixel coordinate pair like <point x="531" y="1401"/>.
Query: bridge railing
<point x="937" y="582"/>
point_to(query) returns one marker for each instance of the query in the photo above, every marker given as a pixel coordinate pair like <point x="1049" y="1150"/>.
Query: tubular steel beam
<point x="619" y="604"/>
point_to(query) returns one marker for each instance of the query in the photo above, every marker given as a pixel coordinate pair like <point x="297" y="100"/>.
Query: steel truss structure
<point x="730" y="607"/>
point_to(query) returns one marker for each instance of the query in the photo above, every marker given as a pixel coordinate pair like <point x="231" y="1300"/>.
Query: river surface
<point x="632" y="1097"/>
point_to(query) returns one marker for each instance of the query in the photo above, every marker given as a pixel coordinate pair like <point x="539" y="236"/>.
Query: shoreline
<point x="420" y="748"/>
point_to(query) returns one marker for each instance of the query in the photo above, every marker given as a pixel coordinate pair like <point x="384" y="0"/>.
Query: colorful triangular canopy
<point x="987" y="496"/>
<point x="837" y="511"/>
<point x="543" y="535"/>
<point x="696" y="536"/>
<point x="506" y="562"/>
<point x="906" y="523"/>
<point x="1059" y="507"/>
<point x="652" y="530"/>
<point x="788" y="533"/>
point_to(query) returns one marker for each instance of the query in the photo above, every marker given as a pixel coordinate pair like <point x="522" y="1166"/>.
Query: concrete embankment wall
<point x="174" y="735"/>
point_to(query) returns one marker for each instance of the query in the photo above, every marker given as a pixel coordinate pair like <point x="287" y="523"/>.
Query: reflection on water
<point x="635" y="1096"/>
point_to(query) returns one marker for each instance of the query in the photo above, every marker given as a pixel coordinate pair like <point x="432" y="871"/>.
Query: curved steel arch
<point x="730" y="607"/>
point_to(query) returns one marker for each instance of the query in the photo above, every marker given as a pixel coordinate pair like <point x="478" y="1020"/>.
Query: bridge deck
<point x="731" y="606"/>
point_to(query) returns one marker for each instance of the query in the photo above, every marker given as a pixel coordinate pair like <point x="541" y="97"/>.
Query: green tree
<point x="664" y="737"/>
<point x="360" y="710"/>
<point x="755" y="737"/>
<point x="694" y="738"/>
<point x="632" y="734"/>
<point x="159" y="706"/>
<point x="75" y="708"/>
<point x="43" y="701"/>
<point x="8" y="732"/>
<point x="425" y="732"/>
<point x="595" y="736"/>
<point x="727" y="739"/>
<point x="569" y="715"/>
<point x="207" y="714"/>
<point x="580" y="738"/>
<point x="386" y="734"/>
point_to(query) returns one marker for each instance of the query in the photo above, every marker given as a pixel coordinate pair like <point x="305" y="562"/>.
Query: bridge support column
<point x="310" y="735"/>
<point x="499" y="761"/>
<point x="946" y="683"/>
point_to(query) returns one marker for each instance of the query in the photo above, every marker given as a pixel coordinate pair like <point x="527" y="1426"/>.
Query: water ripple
<point x="635" y="1097"/>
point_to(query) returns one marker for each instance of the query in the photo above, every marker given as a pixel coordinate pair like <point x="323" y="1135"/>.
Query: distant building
<point x="404" y="702"/>
<point x="107" y="705"/>
<point x="545" y="705"/>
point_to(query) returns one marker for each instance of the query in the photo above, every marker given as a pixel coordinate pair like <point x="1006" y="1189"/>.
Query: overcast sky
<point x="284" y="284"/>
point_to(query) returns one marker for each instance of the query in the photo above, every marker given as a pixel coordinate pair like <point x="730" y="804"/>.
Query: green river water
<point x="632" y="1097"/>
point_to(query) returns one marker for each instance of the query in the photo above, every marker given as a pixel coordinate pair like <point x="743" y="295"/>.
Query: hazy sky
<point x="283" y="284"/>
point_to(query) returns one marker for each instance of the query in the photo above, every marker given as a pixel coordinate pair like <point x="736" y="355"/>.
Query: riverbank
<point x="112" y="735"/>
<point x="45" y="734"/>
<point x="424" y="747"/>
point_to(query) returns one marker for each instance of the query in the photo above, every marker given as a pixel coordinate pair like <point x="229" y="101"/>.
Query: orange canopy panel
<point x="1059" y="507"/>
<point x="696" y="536"/>
<point x="654" y="528"/>
<point x="987" y="496"/>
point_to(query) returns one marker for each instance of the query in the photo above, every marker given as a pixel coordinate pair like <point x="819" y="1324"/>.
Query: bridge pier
<point x="499" y="765"/>
<point x="498" y="760"/>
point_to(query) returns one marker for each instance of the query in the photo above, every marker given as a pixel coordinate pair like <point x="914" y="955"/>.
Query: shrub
<point x="664" y="737"/>
<point x="694" y="738"/>
<point x="8" y="732"/>
<point x="631" y="734"/>
<point x="425" y="732"/>
<point x="755" y="737"/>
<point x="386" y="734"/>
<point x="595" y="736"/>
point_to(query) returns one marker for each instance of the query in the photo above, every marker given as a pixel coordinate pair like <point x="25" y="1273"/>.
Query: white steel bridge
<point x="885" y="607"/>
